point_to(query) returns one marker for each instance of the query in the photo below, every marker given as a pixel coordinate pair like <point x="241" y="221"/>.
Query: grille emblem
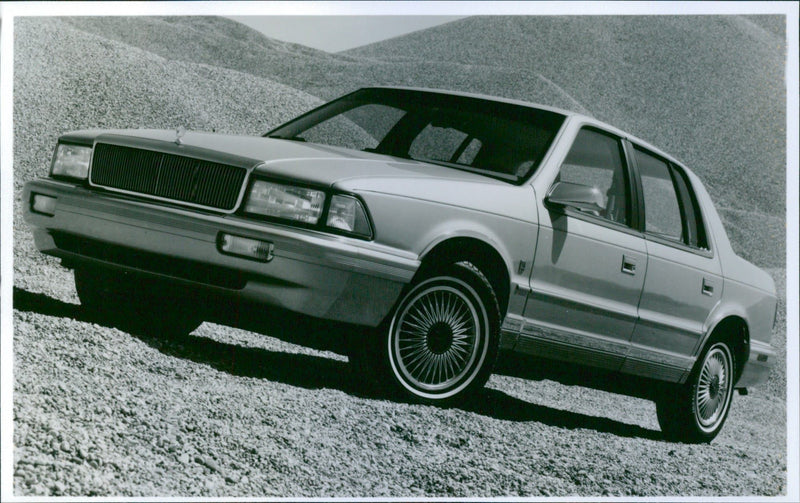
<point x="179" y="134"/>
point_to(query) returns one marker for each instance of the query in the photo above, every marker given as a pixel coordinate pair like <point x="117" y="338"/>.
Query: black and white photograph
<point x="399" y="251"/>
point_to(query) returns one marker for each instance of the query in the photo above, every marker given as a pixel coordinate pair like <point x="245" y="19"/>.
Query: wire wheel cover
<point x="437" y="338"/>
<point x="713" y="387"/>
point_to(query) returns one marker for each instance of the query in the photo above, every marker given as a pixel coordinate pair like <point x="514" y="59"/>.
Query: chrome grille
<point x="167" y="176"/>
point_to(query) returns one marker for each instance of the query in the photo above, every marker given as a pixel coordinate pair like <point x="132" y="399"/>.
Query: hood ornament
<point x="179" y="134"/>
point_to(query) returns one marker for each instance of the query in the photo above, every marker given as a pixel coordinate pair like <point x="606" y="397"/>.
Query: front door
<point x="589" y="267"/>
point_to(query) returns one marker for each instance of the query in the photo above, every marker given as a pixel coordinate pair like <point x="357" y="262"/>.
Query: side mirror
<point x="577" y="196"/>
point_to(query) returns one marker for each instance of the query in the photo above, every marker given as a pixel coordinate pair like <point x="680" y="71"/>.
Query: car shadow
<point x="533" y="368"/>
<point x="319" y="372"/>
<point x="499" y="405"/>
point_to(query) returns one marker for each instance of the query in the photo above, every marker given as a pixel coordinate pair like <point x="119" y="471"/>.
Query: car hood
<point x="305" y="162"/>
<point x="341" y="168"/>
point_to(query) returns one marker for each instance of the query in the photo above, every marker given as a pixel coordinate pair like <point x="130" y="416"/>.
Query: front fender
<point x="417" y="225"/>
<point x="452" y="230"/>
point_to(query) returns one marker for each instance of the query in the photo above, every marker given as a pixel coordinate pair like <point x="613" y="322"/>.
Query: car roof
<point x="567" y="113"/>
<point x="486" y="97"/>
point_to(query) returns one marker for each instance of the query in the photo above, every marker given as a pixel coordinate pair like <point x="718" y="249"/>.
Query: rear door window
<point x="662" y="213"/>
<point x="670" y="206"/>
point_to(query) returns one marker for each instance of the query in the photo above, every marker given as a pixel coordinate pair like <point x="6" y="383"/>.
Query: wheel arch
<point x="733" y="328"/>
<point x="481" y="254"/>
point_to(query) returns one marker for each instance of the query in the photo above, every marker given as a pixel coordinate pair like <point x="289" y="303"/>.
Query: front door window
<point x="595" y="159"/>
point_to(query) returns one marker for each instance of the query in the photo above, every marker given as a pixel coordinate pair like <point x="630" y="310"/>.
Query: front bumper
<point x="327" y="276"/>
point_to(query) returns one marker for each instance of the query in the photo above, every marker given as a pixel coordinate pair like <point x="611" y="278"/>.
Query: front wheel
<point x="696" y="411"/>
<point x="442" y="339"/>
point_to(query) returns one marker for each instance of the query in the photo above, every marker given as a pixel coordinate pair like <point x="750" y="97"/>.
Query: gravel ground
<point x="270" y="408"/>
<point x="230" y="412"/>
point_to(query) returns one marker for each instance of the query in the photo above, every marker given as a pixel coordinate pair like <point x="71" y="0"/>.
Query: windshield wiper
<point x="290" y="138"/>
<point x="470" y="169"/>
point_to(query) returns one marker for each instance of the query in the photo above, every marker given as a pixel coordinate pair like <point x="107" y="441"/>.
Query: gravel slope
<point x="708" y="89"/>
<point x="127" y="87"/>
<point x="681" y="82"/>
<point x="269" y="409"/>
<point x="226" y="412"/>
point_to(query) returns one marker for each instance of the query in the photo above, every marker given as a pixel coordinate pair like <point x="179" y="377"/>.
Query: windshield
<point x="496" y="139"/>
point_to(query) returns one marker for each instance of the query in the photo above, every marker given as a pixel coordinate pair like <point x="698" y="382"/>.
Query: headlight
<point x="285" y="201"/>
<point x="71" y="161"/>
<point x="347" y="213"/>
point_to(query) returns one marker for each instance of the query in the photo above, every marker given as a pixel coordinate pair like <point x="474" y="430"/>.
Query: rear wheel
<point x="441" y="340"/>
<point x="133" y="303"/>
<point x="696" y="411"/>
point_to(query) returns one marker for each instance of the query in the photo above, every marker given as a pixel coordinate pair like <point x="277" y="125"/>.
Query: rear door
<point x="683" y="282"/>
<point x="589" y="267"/>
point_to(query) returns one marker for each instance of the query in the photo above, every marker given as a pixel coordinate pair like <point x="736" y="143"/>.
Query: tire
<point x="134" y="304"/>
<point x="440" y="343"/>
<point x="696" y="411"/>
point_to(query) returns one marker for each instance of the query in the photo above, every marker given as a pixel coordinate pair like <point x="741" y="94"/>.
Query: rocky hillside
<point x="83" y="80"/>
<point x="709" y="90"/>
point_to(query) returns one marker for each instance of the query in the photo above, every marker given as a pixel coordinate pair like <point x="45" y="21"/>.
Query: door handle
<point x="628" y="265"/>
<point x="708" y="288"/>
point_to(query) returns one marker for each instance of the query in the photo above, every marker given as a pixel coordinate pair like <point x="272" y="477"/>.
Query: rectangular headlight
<point x="285" y="201"/>
<point x="72" y="161"/>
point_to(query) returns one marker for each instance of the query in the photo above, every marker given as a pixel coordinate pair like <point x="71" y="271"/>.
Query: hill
<point x="67" y="79"/>
<point x="709" y="90"/>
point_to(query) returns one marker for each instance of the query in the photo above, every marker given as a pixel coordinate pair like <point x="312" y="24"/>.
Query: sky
<point x="339" y="33"/>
